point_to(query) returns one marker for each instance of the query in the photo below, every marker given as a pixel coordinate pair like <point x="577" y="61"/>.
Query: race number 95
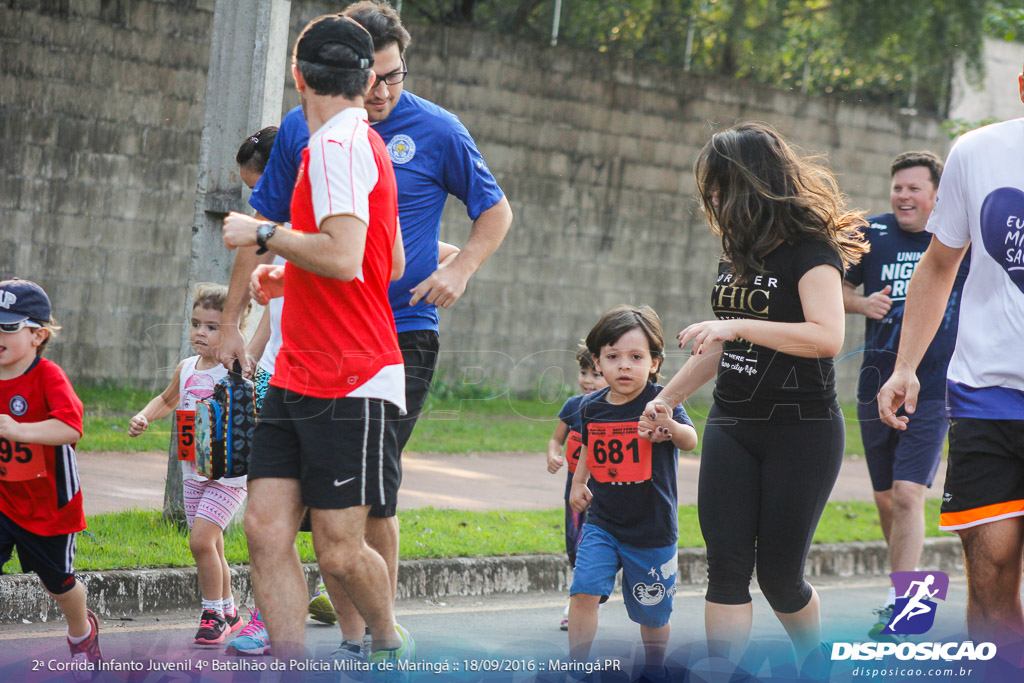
<point x="16" y="451"/>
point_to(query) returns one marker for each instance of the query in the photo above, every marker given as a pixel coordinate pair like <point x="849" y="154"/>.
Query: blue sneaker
<point x="253" y="639"/>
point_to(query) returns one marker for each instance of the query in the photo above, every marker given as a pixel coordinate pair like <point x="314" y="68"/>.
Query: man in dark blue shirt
<point x="902" y="465"/>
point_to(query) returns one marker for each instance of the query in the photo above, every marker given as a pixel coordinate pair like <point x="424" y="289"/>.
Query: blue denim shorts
<point x="648" y="575"/>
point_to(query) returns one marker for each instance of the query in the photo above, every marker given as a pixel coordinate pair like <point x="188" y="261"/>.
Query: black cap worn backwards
<point x="334" y="28"/>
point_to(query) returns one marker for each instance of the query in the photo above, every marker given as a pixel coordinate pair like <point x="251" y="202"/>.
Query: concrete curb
<point x="134" y="592"/>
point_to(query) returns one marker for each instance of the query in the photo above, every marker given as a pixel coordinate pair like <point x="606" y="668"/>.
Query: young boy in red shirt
<point x="40" y="496"/>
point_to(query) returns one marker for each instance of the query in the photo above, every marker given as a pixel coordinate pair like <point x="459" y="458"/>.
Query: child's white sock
<point x="75" y="640"/>
<point x="227" y="606"/>
<point x="212" y="605"/>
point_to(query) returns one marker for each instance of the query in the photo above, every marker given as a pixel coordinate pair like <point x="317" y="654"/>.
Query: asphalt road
<point x="502" y="638"/>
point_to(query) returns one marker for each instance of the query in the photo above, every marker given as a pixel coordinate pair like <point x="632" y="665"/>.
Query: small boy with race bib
<point x="209" y="504"/>
<point x="631" y="464"/>
<point x="40" y="496"/>
<point x="567" y="437"/>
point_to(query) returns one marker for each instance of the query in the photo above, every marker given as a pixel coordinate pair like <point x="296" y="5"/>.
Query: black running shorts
<point x="338" y="449"/>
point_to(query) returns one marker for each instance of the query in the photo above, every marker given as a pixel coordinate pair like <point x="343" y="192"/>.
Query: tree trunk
<point x="733" y="39"/>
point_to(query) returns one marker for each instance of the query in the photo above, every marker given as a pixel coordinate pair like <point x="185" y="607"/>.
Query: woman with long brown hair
<point x="775" y="435"/>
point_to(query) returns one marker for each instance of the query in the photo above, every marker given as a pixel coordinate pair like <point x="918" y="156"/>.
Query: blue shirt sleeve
<point x="680" y="416"/>
<point x="272" y="195"/>
<point x="466" y="174"/>
<point x="855" y="272"/>
<point x="569" y="410"/>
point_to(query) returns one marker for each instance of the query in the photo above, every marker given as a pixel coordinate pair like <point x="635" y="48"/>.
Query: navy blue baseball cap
<point x="23" y="300"/>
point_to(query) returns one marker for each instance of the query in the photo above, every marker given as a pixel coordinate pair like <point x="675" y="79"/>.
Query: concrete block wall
<point x="596" y="158"/>
<point x="101" y="107"/>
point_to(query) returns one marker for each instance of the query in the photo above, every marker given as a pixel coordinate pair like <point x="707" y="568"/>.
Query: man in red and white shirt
<point x="321" y="441"/>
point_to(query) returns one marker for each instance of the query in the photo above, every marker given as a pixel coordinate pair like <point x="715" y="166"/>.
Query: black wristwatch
<point x="264" y="233"/>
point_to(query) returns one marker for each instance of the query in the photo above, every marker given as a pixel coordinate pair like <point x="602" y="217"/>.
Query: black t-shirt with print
<point x="633" y="480"/>
<point x="762" y="383"/>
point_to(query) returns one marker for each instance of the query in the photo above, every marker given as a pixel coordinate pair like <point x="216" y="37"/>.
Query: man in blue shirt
<point x="433" y="156"/>
<point x="902" y="465"/>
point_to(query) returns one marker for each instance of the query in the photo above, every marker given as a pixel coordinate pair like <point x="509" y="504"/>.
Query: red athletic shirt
<point x="339" y="337"/>
<point x="39" y="487"/>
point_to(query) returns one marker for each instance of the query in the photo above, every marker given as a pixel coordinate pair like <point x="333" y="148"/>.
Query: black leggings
<point x="761" y="493"/>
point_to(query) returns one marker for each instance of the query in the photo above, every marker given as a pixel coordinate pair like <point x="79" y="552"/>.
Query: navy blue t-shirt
<point x="570" y="415"/>
<point x="633" y="480"/>
<point x="894" y="255"/>
<point x="433" y="156"/>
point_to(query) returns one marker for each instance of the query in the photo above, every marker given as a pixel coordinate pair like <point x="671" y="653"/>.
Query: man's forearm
<point x="852" y="300"/>
<point x="927" y="296"/>
<point x="486" y="235"/>
<point x="246" y="260"/>
<point x="335" y="252"/>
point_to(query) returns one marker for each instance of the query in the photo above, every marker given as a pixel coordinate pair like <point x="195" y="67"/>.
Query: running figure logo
<point x="914" y="612"/>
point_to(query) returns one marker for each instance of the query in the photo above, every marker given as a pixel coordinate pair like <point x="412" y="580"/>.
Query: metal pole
<point x="555" y="21"/>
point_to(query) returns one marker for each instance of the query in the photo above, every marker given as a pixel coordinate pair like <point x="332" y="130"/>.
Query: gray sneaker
<point x="345" y="663"/>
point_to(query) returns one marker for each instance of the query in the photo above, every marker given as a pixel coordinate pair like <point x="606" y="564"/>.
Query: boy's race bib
<point x="616" y="454"/>
<point x="573" y="448"/>
<point x="21" y="461"/>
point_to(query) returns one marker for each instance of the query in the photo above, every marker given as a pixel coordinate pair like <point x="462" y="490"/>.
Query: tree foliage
<point x="898" y="53"/>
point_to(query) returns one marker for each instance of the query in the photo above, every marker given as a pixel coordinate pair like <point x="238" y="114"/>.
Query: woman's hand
<point x="706" y="333"/>
<point x="653" y="424"/>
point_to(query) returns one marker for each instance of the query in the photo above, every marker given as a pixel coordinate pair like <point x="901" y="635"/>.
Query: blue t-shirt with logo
<point x="638" y="513"/>
<point x="894" y="255"/>
<point x="433" y="156"/>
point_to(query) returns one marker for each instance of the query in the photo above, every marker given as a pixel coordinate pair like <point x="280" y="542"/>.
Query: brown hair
<point x="914" y="159"/>
<point x="213" y="296"/>
<point x="382" y="22"/>
<point x="620" y="320"/>
<point x="583" y="357"/>
<point x="52" y="329"/>
<point x="758" y="192"/>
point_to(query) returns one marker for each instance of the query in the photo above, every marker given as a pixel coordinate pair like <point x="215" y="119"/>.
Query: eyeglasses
<point x="11" y="328"/>
<point x="393" y="78"/>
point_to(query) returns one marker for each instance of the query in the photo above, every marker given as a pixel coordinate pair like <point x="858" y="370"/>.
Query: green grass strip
<point x="142" y="538"/>
<point x="447" y="425"/>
